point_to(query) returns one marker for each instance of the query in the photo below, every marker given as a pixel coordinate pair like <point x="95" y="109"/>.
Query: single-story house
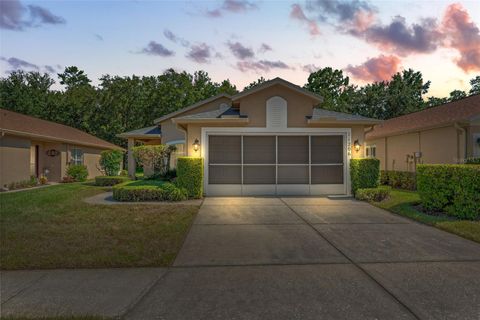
<point x="32" y="147"/>
<point x="273" y="139"/>
<point x="448" y="133"/>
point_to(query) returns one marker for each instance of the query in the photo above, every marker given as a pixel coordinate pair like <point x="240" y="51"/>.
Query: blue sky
<point x="243" y="40"/>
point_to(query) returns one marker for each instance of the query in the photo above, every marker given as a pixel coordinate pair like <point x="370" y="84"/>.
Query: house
<point x="273" y="139"/>
<point x="32" y="147"/>
<point x="448" y="133"/>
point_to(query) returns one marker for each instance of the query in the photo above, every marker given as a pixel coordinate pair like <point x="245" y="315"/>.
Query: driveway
<point x="283" y="258"/>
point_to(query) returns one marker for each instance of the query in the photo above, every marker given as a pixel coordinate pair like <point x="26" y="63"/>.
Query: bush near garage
<point x="398" y="179"/>
<point x="111" y="162"/>
<point x="451" y="188"/>
<point x="373" y="194"/>
<point x="364" y="173"/>
<point x="77" y="173"/>
<point x="148" y="190"/>
<point x="190" y="175"/>
<point x="105" y="181"/>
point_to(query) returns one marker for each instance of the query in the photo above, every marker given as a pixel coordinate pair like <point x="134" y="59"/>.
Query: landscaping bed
<point x="148" y="190"/>
<point x="53" y="228"/>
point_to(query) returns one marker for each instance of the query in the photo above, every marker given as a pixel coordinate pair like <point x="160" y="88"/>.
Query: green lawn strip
<point x="54" y="228"/>
<point x="403" y="202"/>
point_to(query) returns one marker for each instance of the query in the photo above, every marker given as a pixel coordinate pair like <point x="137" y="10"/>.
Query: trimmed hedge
<point x="105" y="181"/>
<point x="148" y="191"/>
<point x="373" y="194"/>
<point x="365" y="173"/>
<point x="190" y="175"/>
<point x="78" y="172"/>
<point x="398" y="179"/>
<point x="454" y="189"/>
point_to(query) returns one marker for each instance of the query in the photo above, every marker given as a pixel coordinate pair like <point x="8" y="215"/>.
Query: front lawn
<point x="53" y="228"/>
<point x="404" y="203"/>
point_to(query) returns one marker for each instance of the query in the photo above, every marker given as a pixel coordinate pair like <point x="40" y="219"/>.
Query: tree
<point x="435" y="101"/>
<point x="255" y="83"/>
<point x="475" y="83"/>
<point x="73" y="77"/>
<point x="456" y="95"/>
<point x="226" y="87"/>
<point x="371" y="101"/>
<point x="333" y="86"/>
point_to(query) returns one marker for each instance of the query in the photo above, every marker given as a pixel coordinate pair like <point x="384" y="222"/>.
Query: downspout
<point x="464" y="132"/>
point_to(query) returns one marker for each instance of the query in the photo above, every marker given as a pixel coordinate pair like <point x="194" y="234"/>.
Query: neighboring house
<point x="32" y="147"/>
<point x="269" y="140"/>
<point x="444" y="134"/>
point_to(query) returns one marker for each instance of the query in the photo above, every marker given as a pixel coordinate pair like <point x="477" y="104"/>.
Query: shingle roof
<point x="153" y="131"/>
<point x="17" y="123"/>
<point x="458" y="111"/>
<point x="223" y="110"/>
<point x="320" y="114"/>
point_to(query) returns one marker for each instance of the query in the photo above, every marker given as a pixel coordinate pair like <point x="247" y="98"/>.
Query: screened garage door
<point x="276" y="164"/>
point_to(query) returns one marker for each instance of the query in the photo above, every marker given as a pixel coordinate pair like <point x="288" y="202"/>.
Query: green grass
<point x="54" y="228"/>
<point x="403" y="202"/>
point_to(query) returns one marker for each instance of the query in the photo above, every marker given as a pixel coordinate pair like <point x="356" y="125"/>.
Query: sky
<point x="242" y="40"/>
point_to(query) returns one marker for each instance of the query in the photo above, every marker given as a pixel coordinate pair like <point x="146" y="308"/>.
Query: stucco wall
<point x="380" y="145"/>
<point x="473" y="133"/>
<point x="14" y="159"/>
<point x="440" y="145"/>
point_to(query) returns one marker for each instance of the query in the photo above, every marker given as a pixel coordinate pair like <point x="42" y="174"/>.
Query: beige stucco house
<point x="444" y="134"/>
<point x="32" y="147"/>
<point x="273" y="139"/>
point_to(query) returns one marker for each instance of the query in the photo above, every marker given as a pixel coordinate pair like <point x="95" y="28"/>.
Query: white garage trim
<point x="278" y="189"/>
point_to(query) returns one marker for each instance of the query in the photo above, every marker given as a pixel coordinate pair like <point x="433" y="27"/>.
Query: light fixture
<point x="196" y="145"/>
<point x="356" y="144"/>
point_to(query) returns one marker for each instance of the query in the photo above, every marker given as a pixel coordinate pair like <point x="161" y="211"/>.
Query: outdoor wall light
<point x="356" y="144"/>
<point x="196" y="145"/>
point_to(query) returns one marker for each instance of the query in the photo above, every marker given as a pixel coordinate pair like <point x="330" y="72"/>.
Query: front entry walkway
<point x="281" y="258"/>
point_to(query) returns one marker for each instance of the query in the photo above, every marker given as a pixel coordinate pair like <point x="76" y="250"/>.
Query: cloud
<point x="240" y="51"/>
<point x="463" y="35"/>
<point x="16" y="63"/>
<point x="339" y="10"/>
<point x="200" y="53"/>
<point x="397" y="36"/>
<point x="98" y="37"/>
<point x="297" y="14"/>
<point x="174" y="38"/>
<point x="15" y="16"/>
<point x="232" y="6"/>
<point x="310" y="68"/>
<point x="261" y="65"/>
<point x="380" y="68"/>
<point x="156" y="49"/>
<point x="264" y="48"/>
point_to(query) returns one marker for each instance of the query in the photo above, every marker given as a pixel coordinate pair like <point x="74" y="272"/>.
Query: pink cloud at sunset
<point x="380" y="68"/>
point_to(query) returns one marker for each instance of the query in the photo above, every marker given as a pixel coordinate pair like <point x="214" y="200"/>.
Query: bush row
<point x="190" y="175"/>
<point x="454" y="189"/>
<point x="165" y="192"/>
<point x="373" y="194"/>
<point x="110" y="180"/>
<point x="365" y="173"/>
<point x="398" y="179"/>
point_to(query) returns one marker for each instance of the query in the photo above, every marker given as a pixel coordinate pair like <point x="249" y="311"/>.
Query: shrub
<point x="124" y="173"/>
<point x="365" y="173"/>
<point x="190" y="175"/>
<point x="78" y="172"/>
<point x="454" y="189"/>
<point x="156" y="157"/>
<point x="110" y="180"/>
<point x="111" y="162"/>
<point x="398" y="179"/>
<point x="151" y="190"/>
<point x="32" y="182"/>
<point x="67" y="179"/>
<point x="43" y="179"/>
<point x="373" y="194"/>
<point x="472" y="161"/>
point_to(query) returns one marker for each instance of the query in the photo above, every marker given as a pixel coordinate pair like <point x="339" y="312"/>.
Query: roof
<point x="459" y="111"/>
<point x="147" y="132"/>
<point x="277" y="81"/>
<point x="322" y="115"/>
<point x="23" y="125"/>
<point x="224" y="113"/>
<point x="191" y="107"/>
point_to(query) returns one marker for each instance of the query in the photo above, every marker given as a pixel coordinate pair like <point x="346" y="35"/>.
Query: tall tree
<point x="255" y="83"/>
<point x="475" y="83"/>
<point x="456" y="95"/>
<point x="73" y="77"/>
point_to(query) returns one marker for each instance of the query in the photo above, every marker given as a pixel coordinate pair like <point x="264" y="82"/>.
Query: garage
<point x="265" y="163"/>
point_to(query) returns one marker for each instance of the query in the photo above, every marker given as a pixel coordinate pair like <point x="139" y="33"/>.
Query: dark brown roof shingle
<point x="13" y="122"/>
<point x="458" y="111"/>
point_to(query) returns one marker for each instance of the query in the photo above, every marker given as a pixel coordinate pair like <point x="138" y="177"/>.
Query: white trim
<point x="313" y="189"/>
<point x="175" y="142"/>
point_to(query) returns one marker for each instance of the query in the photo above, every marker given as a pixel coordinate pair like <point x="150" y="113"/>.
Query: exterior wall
<point x="441" y="145"/>
<point x="398" y="147"/>
<point x="299" y="106"/>
<point x="14" y="159"/>
<point x="169" y="129"/>
<point x="381" y="148"/>
<point x="473" y="133"/>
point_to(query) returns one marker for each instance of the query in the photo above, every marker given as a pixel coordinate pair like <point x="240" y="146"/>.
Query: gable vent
<point x="276" y="113"/>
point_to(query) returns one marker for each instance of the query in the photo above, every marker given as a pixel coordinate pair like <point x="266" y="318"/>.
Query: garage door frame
<point x="279" y="189"/>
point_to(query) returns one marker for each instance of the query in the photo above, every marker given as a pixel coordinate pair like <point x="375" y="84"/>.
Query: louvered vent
<point x="276" y="113"/>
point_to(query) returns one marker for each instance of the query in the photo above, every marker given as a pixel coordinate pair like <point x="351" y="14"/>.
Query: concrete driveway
<point x="276" y="258"/>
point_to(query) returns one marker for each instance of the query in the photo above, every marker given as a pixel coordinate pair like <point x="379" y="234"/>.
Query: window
<point x="371" y="151"/>
<point x="77" y="156"/>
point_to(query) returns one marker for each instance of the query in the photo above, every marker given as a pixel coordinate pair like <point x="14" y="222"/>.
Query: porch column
<point x="131" y="160"/>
